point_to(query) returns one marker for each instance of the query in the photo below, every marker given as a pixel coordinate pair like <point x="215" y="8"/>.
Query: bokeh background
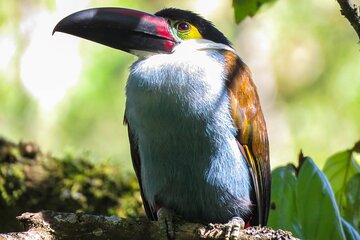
<point x="67" y="94"/>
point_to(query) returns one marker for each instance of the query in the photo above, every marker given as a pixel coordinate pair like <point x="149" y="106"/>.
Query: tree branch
<point x="352" y="14"/>
<point x="55" y="225"/>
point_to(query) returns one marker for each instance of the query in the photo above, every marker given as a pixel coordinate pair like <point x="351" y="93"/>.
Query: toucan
<point x="198" y="137"/>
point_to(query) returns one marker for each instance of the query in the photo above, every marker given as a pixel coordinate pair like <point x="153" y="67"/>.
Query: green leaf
<point x="339" y="169"/>
<point x="351" y="207"/>
<point x="318" y="210"/>
<point x="350" y="232"/>
<point x="244" y="8"/>
<point x="283" y="208"/>
<point x="304" y="203"/>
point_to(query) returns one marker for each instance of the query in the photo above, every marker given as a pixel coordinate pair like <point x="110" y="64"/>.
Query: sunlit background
<point x="68" y="94"/>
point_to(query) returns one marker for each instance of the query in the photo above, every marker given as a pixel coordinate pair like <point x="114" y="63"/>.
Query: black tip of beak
<point x="120" y="28"/>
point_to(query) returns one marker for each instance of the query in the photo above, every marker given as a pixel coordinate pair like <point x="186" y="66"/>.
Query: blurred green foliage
<point x="321" y="98"/>
<point x="245" y="8"/>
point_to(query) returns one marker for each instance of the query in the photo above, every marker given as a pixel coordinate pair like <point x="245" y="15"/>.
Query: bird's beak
<point x="120" y="28"/>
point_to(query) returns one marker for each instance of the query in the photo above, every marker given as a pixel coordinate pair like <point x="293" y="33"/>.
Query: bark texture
<point x="57" y="225"/>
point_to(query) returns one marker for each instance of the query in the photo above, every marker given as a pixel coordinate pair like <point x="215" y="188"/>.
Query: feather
<point x="252" y="134"/>
<point x="134" y="151"/>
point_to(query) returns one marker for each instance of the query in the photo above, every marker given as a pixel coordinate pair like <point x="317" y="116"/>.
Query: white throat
<point x="187" y="46"/>
<point x="194" y="74"/>
<point x="200" y="44"/>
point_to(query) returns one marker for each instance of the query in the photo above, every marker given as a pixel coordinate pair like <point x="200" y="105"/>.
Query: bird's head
<point x="139" y="32"/>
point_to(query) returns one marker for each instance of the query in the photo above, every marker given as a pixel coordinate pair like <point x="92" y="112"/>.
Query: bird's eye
<point x="183" y="26"/>
<point x="185" y="30"/>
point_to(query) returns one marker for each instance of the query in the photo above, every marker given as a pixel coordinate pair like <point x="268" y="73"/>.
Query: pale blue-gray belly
<point x="190" y="162"/>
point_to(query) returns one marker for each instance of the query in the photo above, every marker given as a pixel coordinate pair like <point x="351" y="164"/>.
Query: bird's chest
<point x="175" y="98"/>
<point x="176" y="104"/>
<point x="177" y="85"/>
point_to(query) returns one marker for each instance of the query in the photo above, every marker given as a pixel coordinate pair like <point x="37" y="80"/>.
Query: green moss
<point x="32" y="181"/>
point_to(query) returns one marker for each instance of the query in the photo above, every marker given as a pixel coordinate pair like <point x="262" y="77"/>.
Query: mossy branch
<point x="55" y="225"/>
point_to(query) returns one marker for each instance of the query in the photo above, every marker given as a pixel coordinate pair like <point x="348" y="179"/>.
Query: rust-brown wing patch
<point x="252" y="134"/>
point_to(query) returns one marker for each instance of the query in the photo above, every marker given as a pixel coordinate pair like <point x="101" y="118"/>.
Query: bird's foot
<point x="213" y="230"/>
<point x="233" y="227"/>
<point x="228" y="231"/>
<point x="166" y="223"/>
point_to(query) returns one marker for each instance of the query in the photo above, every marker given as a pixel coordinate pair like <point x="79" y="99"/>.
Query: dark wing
<point x="252" y="133"/>
<point x="137" y="167"/>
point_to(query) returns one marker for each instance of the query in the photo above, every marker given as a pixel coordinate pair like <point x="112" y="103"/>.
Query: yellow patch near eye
<point x="186" y="31"/>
